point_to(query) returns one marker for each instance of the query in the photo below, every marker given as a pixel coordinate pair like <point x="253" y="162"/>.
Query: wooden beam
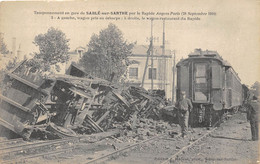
<point x="28" y="83"/>
<point x="10" y="101"/>
<point x="102" y="118"/>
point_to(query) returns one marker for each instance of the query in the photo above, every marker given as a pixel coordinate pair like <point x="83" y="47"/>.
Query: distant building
<point x="75" y="55"/>
<point x="162" y="69"/>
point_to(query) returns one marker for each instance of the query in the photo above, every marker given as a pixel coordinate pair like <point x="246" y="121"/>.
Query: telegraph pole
<point x="164" y="59"/>
<point x="149" y="52"/>
<point x="152" y="54"/>
<point x="173" y="77"/>
<point x="146" y="63"/>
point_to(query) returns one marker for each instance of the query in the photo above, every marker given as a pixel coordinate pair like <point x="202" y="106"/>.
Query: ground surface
<point x="230" y="143"/>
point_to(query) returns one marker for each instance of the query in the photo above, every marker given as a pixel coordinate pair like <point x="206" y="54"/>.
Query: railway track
<point x="21" y="151"/>
<point x="156" y="149"/>
<point x="31" y="150"/>
<point x="6" y="142"/>
<point x="175" y="155"/>
<point x="164" y="156"/>
<point x="144" y="151"/>
<point x="124" y="149"/>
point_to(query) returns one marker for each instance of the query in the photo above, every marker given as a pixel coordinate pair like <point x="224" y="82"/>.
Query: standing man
<point x="184" y="107"/>
<point x="252" y="106"/>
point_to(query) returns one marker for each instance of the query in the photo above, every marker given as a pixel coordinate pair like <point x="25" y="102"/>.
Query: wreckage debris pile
<point x="132" y="104"/>
<point x="137" y="114"/>
<point x="143" y="129"/>
<point x="78" y="103"/>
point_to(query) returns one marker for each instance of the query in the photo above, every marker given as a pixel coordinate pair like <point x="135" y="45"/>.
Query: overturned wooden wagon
<point x="67" y="105"/>
<point x="56" y="103"/>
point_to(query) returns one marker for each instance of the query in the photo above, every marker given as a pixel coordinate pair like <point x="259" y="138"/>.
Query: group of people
<point x="251" y="107"/>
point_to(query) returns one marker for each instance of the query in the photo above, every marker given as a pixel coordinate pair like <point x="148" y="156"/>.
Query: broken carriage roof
<point x="76" y="75"/>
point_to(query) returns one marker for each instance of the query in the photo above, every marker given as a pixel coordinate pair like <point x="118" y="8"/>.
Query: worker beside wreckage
<point x="252" y="106"/>
<point x="184" y="107"/>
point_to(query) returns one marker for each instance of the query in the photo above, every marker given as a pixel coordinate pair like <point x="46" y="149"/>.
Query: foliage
<point x="255" y="88"/>
<point x="107" y="54"/>
<point x="3" y="48"/>
<point x="53" y="47"/>
<point x="11" y="64"/>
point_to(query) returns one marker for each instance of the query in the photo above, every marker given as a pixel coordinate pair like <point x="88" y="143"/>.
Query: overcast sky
<point x="234" y="32"/>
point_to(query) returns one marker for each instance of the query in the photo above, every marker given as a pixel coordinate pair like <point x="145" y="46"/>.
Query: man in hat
<point x="252" y="107"/>
<point x="184" y="107"/>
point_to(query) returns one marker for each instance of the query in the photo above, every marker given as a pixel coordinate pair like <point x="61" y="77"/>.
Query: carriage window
<point x="216" y="77"/>
<point x="200" y="80"/>
<point x="200" y="85"/>
<point x="200" y="73"/>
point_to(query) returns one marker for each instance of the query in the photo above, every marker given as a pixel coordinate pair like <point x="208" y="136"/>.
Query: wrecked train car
<point x="58" y="103"/>
<point x="21" y="90"/>
<point x="69" y="105"/>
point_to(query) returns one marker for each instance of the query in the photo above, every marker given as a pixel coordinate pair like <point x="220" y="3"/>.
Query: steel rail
<point x="136" y="144"/>
<point x="10" y="141"/>
<point x="169" y="160"/>
<point x="174" y="156"/>
<point x="46" y="143"/>
<point x="123" y="149"/>
<point x="38" y="155"/>
<point x="54" y="152"/>
<point x="37" y="144"/>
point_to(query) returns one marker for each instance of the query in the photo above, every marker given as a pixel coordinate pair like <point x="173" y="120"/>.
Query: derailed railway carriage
<point x="53" y="106"/>
<point x="212" y="85"/>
